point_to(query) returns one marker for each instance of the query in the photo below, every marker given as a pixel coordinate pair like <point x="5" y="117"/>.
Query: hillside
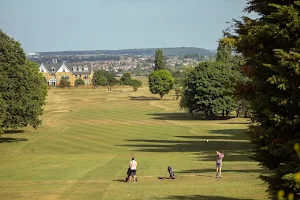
<point x="144" y="52"/>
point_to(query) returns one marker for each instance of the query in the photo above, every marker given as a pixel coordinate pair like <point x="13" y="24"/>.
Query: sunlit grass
<point x="83" y="148"/>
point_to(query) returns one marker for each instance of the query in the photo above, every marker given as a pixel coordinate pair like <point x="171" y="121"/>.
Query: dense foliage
<point x="135" y="84"/>
<point x="104" y="78"/>
<point x="126" y="78"/>
<point x="271" y="46"/>
<point x="64" y="82"/>
<point x="209" y="88"/>
<point x="22" y="88"/>
<point x="161" y="82"/>
<point x="159" y="62"/>
<point x="79" y="82"/>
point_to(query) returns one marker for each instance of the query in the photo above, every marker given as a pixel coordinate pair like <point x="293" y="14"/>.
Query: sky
<point x="66" y="25"/>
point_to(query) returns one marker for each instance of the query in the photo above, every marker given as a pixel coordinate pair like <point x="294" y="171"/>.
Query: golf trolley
<point x="128" y="175"/>
<point x="171" y="172"/>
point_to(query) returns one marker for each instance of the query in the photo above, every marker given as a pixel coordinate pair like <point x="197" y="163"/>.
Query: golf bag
<point x="171" y="172"/>
<point x="128" y="175"/>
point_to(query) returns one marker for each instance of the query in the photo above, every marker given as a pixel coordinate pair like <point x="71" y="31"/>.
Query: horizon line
<point x="120" y="49"/>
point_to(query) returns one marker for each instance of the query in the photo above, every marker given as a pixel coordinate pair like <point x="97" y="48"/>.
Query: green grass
<point x="87" y="139"/>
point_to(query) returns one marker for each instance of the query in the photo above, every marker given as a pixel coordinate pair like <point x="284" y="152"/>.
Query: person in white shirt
<point x="132" y="166"/>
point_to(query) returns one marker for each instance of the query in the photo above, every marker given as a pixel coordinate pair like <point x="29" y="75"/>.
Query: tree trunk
<point x="206" y="113"/>
<point x="227" y="113"/>
<point x="161" y="96"/>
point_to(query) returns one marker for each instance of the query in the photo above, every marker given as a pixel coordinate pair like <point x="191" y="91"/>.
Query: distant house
<point x="54" y="72"/>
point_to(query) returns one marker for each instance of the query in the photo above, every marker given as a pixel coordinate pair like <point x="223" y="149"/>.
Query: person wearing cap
<point x="132" y="166"/>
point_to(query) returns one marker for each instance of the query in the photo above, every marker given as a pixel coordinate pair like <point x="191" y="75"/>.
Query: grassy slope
<point x="83" y="148"/>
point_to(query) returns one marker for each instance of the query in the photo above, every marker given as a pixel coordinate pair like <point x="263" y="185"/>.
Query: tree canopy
<point x="22" y="87"/>
<point x="135" y="84"/>
<point x="271" y="47"/>
<point x="159" y="62"/>
<point x="126" y="78"/>
<point x="104" y="78"/>
<point x="64" y="82"/>
<point x="208" y="88"/>
<point x="79" y="82"/>
<point x="160" y="82"/>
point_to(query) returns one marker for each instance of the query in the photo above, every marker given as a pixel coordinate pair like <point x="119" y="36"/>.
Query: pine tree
<point x="159" y="61"/>
<point x="271" y="46"/>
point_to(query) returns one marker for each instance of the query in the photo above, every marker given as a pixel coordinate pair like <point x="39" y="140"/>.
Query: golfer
<point x="132" y="166"/>
<point x="220" y="157"/>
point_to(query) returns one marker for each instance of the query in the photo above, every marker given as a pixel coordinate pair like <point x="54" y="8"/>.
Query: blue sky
<point x="61" y="25"/>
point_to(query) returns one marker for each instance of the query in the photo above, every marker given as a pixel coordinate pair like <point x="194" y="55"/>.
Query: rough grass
<point x="83" y="148"/>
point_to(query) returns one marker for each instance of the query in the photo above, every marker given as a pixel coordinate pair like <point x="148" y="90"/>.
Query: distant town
<point x="138" y="61"/>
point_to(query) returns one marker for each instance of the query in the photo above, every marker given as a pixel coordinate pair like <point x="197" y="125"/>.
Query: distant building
<point x="54" y="72"/>
<point x="54" y="61"/>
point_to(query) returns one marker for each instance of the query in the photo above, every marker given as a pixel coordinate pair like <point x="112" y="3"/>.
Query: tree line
<point x="262" y="79"/>
<point x="208" y="88"/>
<point x="270" y="45"/>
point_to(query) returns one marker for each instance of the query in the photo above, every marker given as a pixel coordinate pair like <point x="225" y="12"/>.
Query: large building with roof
<point x="54" y="72"/>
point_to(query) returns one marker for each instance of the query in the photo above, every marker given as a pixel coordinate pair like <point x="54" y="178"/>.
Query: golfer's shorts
<point x="133" y="172"/>
<point x="218" y="165"/>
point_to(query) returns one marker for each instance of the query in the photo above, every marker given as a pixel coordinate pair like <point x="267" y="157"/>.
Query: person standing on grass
<point x="132" y="166"/>
<point x="220" y="157"/>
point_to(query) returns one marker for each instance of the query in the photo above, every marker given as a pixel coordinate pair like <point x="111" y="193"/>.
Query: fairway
<point x="88" y="137"/>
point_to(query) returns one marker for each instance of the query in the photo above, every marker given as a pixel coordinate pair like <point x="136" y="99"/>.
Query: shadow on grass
<point x="4" y="139"/>
<point x="224" y="134"/>
<point x="224" y="170"/>
<point x="201" y="197"/>
<point x="143" y="98"/>
<point x="187" y="146"/>
<point x="235" y="122"/>
<point x="13" y="131"/>
<point x="186" y="116"/>
<point x="120" y="180"/>
<point x="233" y="142"/>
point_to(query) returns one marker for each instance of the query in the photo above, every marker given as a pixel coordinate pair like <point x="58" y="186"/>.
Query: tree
<point x="159" y="61"/>
<point x="126" y="78"/>
<point x="210" y="87"/>
<point x="270" y="44"/>
<point x="204" y="89"/>
<point x="79" y="82"/>
<point x="135" y="84"/>
<point x="178" y="89"/>
<point x="104" y="78"/>
<point x="22" y="87"/>
<point x="225" y="50"/>
<point x="64" y="82"/>
<point x="160" y="82"/>
<point x="3" y="108"/>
